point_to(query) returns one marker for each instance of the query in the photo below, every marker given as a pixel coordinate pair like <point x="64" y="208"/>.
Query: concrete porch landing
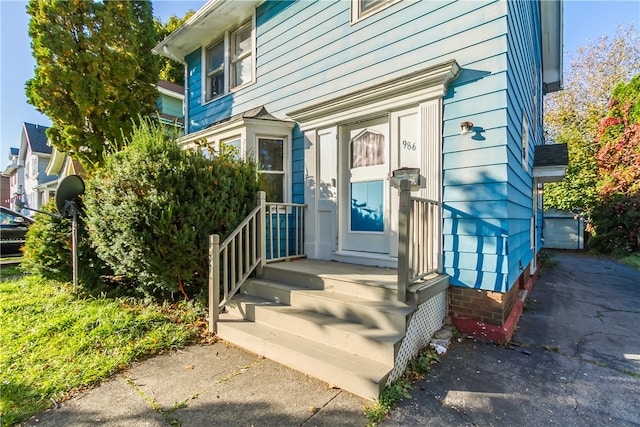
<point x="384" y="279"/>
<point x="337" y="322"/>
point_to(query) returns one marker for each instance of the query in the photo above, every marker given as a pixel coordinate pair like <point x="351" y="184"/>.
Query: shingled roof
<point x="551" y="155"/>
<point x="36" y="138"/>
<point x="550" y="162"/>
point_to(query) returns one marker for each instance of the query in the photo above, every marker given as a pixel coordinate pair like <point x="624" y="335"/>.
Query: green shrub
<point x="616" y="223"/>
<point x="152" y="207"/>
<point x="48" y="250"/>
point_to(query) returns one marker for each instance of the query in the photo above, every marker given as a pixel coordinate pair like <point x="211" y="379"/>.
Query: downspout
<point x="185" y="104"/>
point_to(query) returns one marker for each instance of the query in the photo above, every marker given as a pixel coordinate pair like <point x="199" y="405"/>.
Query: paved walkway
<point x="575" y="361"/>
<point x="213" y="385"/>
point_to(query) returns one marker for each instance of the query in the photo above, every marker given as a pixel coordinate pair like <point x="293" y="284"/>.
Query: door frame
<point x="362" y="241"/>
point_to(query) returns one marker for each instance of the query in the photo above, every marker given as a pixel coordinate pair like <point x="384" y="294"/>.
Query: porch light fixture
<point x="465" y="127"/>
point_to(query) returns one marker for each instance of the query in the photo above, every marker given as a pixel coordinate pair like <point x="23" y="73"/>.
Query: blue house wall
<point x="309" y="51"/>
<point x="524" y="98"/>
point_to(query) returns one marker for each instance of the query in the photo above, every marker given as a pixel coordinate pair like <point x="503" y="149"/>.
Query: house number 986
<point x="408" y="145"/>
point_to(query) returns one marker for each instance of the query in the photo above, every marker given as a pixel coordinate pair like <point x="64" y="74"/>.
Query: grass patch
<point x="10" y="271"/>
<point x="632" y="260"/>
<point x="394" y="393"/>
<point x="529" y="305"/>
<point x="53" y="342"/>
<point x="546" y="260"/>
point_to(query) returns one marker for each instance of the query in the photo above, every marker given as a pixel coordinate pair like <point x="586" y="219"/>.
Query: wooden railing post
<point x="262" y="232"/>
<point x="214" y="282"/>
<point x="403" y="239"/>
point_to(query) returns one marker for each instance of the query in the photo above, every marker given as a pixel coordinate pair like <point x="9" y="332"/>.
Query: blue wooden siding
<point x="524" y="82"/>
<point x="305" y="50"/>
<point x="284" y="235"/>
<point x="487" y="192"/>
<point x="297" y="166"/>
<point x="308" y="51"/>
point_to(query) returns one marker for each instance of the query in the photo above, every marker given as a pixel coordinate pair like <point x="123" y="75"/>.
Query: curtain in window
<point x="367" y="149"/>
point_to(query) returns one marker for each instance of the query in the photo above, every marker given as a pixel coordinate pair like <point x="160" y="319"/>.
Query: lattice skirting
<point x="426" y="320"/>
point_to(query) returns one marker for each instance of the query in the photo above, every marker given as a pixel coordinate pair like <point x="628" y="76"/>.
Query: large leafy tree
<point x="95" y="72"/>
<point x="616" y="215"/>
<point x="574" y="115"/>
<point x="170" y="70"/>
<point x="619" y="137"/>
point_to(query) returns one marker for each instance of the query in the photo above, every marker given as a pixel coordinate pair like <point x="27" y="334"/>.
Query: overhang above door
<point x="412" y="88"/>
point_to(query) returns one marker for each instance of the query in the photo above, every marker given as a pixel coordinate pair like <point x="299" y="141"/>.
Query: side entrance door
<point x="364" y="201"/>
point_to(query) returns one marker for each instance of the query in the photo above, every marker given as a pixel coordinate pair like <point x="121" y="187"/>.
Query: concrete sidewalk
<point x="574" y="361"/>
<point x="213" y="385"/>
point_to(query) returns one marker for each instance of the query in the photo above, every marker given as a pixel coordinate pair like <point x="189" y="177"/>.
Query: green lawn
<point x="53" y="342"/>
<point x="633" y="260"/>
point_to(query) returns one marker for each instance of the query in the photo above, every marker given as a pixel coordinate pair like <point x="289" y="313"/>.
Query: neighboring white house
<point x="29" y="181"/>
<point x="36" y="167"/>
<point x="14" y="172"/>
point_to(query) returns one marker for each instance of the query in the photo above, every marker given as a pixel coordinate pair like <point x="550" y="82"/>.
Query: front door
<point x="364" y="221"/>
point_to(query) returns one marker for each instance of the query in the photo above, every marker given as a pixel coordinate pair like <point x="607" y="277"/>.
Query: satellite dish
<point x="68" y="195"/>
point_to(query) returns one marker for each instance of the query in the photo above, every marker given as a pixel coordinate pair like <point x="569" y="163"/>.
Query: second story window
<point x="215" y="70"/>
<point x="241" y="60"/>
<point x="230" y="61"/>
<point x="363" y="8"/>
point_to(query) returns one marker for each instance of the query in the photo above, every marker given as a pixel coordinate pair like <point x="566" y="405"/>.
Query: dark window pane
<point x="273" y="185"/>
<point x="216" y="85"/>
<point x="215" y="57"/>
<point x="270" y="154"/>
<point x="366" y="5"/>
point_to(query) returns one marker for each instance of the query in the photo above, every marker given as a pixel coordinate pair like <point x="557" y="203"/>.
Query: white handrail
<point x="418" y="239"/>
<point x="245" y="249"/>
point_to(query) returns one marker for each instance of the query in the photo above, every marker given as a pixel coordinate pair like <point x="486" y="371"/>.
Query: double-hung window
<point x="215" y="70"/>
<point x="241" y="56"/>
<point x="271" y="161"/>
<point x="230" y="61"/>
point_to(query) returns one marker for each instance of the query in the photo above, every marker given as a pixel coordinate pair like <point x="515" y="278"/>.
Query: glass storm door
<point x="364" y="221"/>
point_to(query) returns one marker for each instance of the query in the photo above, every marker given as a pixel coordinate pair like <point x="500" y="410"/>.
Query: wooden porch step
<point x="352" y="372"/>
<point x="338" y="322"/>
<point x="365" y="282"/>
<point x="389" y="315"/>
<point x="356" y="338"/>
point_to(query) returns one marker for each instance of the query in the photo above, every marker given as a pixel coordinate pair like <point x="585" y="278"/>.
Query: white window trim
<point x="525" y="142"/>
<point x="248" y="131"/>
<point x="227" y="62"/>
<point x="358" y="15"/>
<point x="286" y="157"/>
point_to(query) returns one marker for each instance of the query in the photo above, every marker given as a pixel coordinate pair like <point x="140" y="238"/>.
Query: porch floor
<point x="371" y="276"/>
<point x="376" y="277"/>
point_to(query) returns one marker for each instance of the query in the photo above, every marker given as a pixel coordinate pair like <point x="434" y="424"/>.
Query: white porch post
<point x="214" y="282"/>
<point x="403" y="239"/>
<point x="262" y="232"/>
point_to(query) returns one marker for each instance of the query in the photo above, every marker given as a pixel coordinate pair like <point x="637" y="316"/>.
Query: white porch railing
<point x="419" y="239"/>
<point x="271" y="232"/>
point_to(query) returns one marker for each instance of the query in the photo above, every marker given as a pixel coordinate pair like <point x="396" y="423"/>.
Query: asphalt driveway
<point x="574" y="360"/>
